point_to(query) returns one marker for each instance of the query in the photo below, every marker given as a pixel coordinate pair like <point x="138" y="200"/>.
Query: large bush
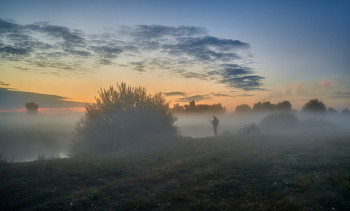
<point x="123" y="117"/>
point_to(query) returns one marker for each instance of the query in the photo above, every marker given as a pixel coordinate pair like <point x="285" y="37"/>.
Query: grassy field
<point x="216" y="173"/>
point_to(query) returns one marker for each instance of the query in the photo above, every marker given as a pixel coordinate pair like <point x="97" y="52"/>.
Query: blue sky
<point x="299" y="44"/>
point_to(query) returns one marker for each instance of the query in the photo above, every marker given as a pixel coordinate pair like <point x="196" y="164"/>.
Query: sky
<point x="59" y="53"/>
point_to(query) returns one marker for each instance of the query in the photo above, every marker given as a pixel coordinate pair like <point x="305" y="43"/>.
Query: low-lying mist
<point x="288" y="123"/>
<point x="26" y="137"/>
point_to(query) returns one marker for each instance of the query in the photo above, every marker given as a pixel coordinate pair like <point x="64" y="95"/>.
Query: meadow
<point x="264" y="172"/>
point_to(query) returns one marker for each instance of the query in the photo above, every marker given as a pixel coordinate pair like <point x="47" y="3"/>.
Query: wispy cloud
<point x="183" y="51"/>
<point x="221" y="95"/>
<point x="4" y="84"/>
<point x="339" y="94"/>
<point x="196" y="98"/>
<point x="326" y="84"/>
<point x="174" y="93"/>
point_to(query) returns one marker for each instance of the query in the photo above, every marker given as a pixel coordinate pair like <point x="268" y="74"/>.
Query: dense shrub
<point x="280" y="123"/>
<point x="123" y="117"/>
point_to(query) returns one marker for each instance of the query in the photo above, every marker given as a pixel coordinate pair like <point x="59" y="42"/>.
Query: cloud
<point x="341" y="94"/>
<point x="247" y="83"/>
<point x="326" y="84"/>
<point x="149" y="32"/>
<point x="181" y="51"/>
<point x="174" y="93"/>
<point x="108" y="52"/>
<point x="11" y="99"/>
<point x="206" y="48"/>
<point x="139" y="66"/>
<point x="4" y="84"/>
<point x="69" y="37"/>
<point x="221" y="95"/>
<point x="196" y="98"/>
<point x="15" y="50"/>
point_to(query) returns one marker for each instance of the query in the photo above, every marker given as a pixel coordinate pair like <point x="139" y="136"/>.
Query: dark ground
<point x="218" y="173"/>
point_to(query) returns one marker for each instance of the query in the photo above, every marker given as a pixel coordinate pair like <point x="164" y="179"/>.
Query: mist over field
<point x="27" y="137"/>
<point x="198" y="125"/>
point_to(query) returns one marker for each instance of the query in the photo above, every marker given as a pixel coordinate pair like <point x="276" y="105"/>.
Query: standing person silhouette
<point x="215" y="123"/>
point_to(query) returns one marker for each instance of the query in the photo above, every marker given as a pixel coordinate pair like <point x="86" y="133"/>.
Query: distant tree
<point x="177" y="108"/>
<point x="265" y="106"/>
<point x="346" y="111"/>
<point x="32" y="108"/>
<point x="257" y="106"/>
<point x="284" y="106"/>
<point x="331" y="110"/>
<point x="123" y="117"/>
<point x="192" y="107"/>
<point x="314" y="105"/>
<point x="243" y="108"/>
<point x="192" y="104"/>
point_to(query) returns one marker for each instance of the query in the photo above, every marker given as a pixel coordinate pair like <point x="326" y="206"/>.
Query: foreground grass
<point x="227" y="172"/>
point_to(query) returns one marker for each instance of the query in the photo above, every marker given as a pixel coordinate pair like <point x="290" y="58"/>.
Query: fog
<point x="295" y="123"/>
<point x="26" y="137"/>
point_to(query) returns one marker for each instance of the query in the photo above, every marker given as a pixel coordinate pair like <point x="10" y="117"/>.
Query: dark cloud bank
<point x="174" y="51"/>
<point x="12" y="99"/>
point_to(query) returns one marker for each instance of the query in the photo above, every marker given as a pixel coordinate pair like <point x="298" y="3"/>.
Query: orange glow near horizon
<point x="47" y="110"/>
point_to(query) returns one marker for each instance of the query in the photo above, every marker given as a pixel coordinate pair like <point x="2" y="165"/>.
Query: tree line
<point x="192" y="107"/>
<point x="313" y="106"/>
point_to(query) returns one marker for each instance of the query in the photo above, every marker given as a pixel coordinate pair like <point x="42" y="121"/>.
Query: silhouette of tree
<point x="243" y="108"/>
<point x="123" y="117"/>
<point x="265" y="106"/>
<point x="284" y="106"/>
<point x="32" y="108"/>
<point x="331" y="110"/>
<point x="346" y="111"/>
<point x="177" y="108"/>
<point x="192" y="107"/>
<point x="314" y="105"/>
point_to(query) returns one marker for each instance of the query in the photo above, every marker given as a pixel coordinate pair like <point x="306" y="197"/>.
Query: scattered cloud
<point x="174" y="93"/>
<point x="248" y="82"/>
<point x="4" y="84"/>
<point x="196" y="98"/>
<point x="221" y="95"/>
<point x="326" y="84"/>
<point x="139" y="66"/>
<point x="181" y="51"/>
<point x="151" y="32"/>
<point x="339" y="94"/>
